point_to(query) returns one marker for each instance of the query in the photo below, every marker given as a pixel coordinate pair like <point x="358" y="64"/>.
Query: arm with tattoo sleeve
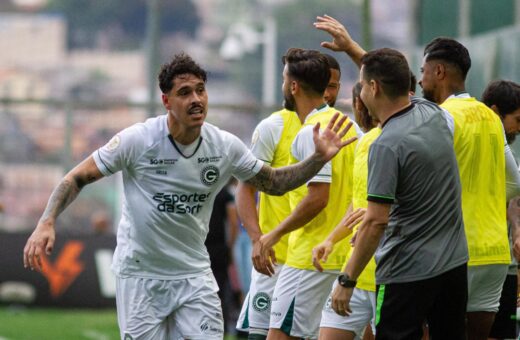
<point x="42" y="239"/>
<point x="327" y="142"/>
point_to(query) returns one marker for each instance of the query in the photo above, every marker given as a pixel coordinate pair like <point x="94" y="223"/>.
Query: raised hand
<point x="329" y="141"/>
<point x="341" y="39"/>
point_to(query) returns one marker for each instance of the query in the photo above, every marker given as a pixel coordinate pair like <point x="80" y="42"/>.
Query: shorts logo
<point x="210" y="328"/>
<point x="261" y="302"/>
<point x="128" y="337"/>
<point x="209" y="175"/>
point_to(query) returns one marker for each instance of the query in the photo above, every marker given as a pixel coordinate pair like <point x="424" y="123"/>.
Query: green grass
<point x="57" y="324"/>
<point x="18" y="323"/>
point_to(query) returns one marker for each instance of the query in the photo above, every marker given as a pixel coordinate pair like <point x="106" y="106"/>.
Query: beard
<point x="288" y="102"/>
<point x="428" y="95"/>
<point x="510" y="138"/>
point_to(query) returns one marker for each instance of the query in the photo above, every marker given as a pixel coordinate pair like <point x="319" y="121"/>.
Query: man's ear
<point x="495" y="109"/>
<point x="375" y="87"/>
<point x="165" y="101"/>
<point x="295" y="87"/>
<point x="440" y="71"/>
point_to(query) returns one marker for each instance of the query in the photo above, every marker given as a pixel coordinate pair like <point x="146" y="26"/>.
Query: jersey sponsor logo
<point x="212" y="159"/>
<point x="261" y="302"/>
<point x="180" y="203"/>
<point x="113" y="144"/>
<point x="209" y="175"/>
<point x="159" y="161"/>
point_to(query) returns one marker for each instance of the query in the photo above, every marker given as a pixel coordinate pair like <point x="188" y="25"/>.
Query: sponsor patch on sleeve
<point x="113" y="144"/>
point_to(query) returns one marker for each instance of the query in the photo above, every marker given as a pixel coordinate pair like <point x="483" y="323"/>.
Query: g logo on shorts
<point x="209" y="175"/>
<point x="261" y="302"/>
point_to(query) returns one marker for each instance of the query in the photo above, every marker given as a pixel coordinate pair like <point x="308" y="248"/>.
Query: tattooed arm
<point x="328" y="143"/>
<point x="42" y="239"/>
<point x="513" y="215"/>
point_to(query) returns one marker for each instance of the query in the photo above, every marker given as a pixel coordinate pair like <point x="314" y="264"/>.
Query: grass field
<point x="17" y="323"/>
<point x="58" y="324"/>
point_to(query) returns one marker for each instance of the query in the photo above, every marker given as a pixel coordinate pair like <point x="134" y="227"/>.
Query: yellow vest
<point x="367" y="278"/>
<point x="274" y="209"/>
<point x="479" y="149"/>
<point x="302" y="240"/>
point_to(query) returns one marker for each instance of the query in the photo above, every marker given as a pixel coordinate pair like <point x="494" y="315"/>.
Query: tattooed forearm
<point x="60" y="198"/>
<point x="280" y="180"/>
<point x="66" y="192"/>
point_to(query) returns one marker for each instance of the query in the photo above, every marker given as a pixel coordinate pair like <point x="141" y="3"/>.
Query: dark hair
<point x="504" y="94"/>
<point x="363" y="118"/>
<point x="390" y="68"/>
<point x="180" y="64"/>
<point x="309" y="67"/>
<point x="413" y="82"/>
<point x="333" y="63"/>
<point x="450" y="51"/>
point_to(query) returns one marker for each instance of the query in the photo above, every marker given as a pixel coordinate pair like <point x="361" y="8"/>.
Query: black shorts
<point x="403" y="308"/>
<point x="504" y="326"/>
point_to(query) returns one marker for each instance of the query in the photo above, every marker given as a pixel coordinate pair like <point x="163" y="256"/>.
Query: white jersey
<point x="266" y="137"/>
<point x="169" y="194"/>
<point x="303" y="146"/>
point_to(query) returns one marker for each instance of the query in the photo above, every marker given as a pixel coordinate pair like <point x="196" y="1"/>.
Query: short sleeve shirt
<point x="412" y="166"/>
<point x="168" y="195"/>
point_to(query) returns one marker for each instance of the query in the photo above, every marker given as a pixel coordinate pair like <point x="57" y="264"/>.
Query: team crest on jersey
<point x="261" y="302"/>
<point x="113" y="143"/>
<point x="209" y="175"/>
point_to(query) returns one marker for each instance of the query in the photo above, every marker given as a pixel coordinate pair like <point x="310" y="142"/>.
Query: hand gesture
<point x="320" y="253"/>
<point x="329" y="141"/>
<point x="341" y="300"/>
<point x="263" y="258"/>
<point x="39" y="243"/>
<point x="341" y="40"/>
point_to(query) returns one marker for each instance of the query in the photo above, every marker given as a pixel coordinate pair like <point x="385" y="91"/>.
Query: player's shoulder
<point x="147" y="132"/>
<point x="217" y="136"/>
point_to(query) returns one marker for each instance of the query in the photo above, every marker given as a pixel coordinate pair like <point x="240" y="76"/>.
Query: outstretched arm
<point x="328" y="143"/>
<point x="42" y="239"/>
<point x="341" y="39"/>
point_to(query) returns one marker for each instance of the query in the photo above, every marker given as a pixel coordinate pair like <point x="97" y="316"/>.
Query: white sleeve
<point x="266" y="138"/>
<point x="303" y="147"/>
<point x="244" y="164"/>
<point x="120" y="152"/>
<point x="449" y="120"/>
<point x="512" y="173"/>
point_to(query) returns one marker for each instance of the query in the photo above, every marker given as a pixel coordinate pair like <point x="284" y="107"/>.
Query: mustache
<point x="195" y="106"/>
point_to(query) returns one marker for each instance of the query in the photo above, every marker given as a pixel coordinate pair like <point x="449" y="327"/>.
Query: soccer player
<point x="173" y="166"/>
<point x="300" y="290"/>
<point x="480" y="146"/>
<point x="411" y="165"/>
<point x="271" y="143"/>
<point x="332" y="325"/>
<point x="503" y="97"/>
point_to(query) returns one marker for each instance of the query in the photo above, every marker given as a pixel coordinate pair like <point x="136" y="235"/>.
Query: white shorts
<point x="298" y="299"/>
<point x="485" y="287"/>
<point x="169" y="309"/>
<point x="363" y="306"/>
<point x="257" y="304"/>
